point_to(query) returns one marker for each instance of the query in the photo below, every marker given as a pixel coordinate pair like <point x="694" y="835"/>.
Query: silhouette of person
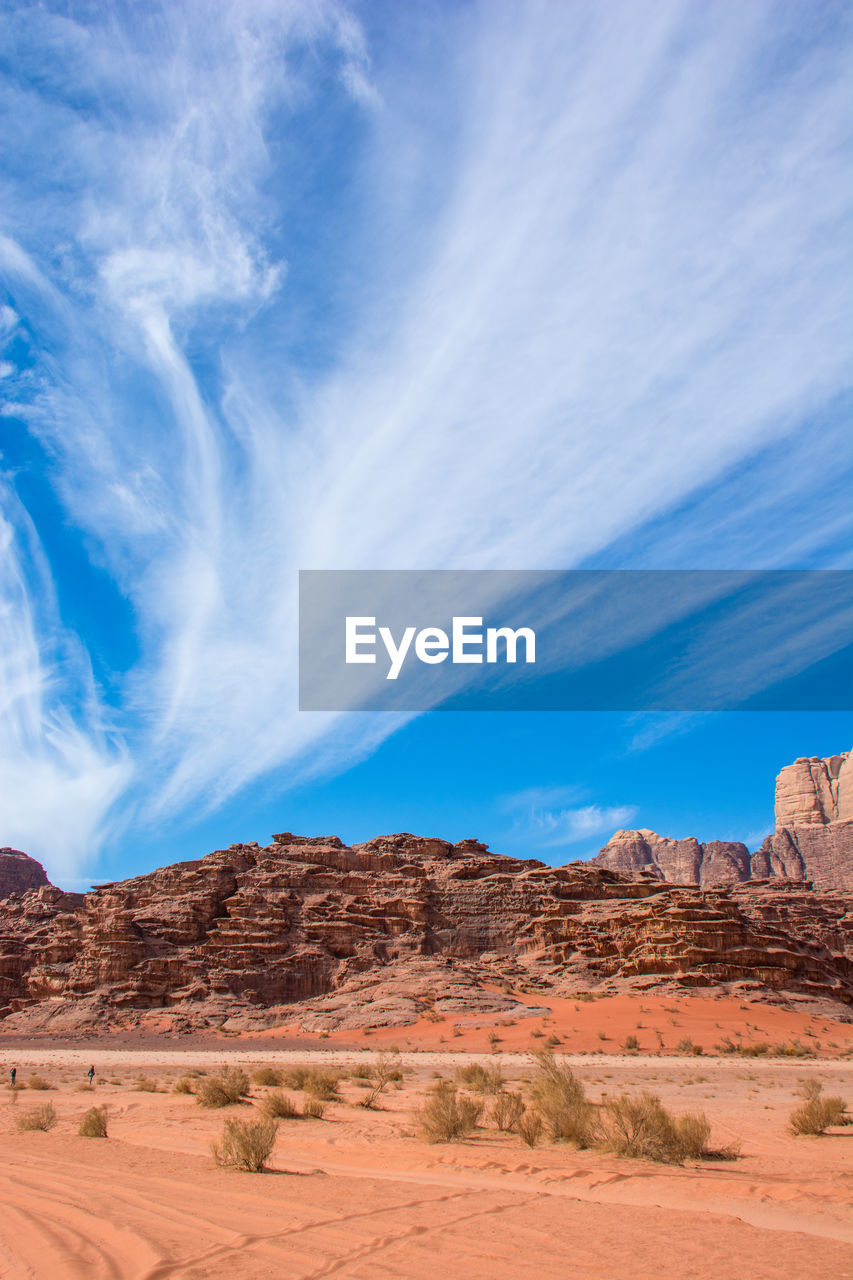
<point x="91" y="1074"/>
<point x="13" y="1074"/>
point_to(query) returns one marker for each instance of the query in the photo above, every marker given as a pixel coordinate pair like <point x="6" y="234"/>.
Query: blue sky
<point x="454" y="285"/>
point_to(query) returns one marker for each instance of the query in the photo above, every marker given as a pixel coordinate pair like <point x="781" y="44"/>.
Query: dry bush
<point x="245" y="1144"/>
<point x="144" y="1084"/>
<point x="361" y="1072"/>
<point x="529" y="1128"/>
<point x="386" y="1071"/>
<point x="643" y="1129"/>
<point x="94" y="1123"/>
<point x="322" y="1083"/>
<point x="559" y="1098"/>
<point x="229" y="1086"/>
<point x="43" y="1118"/>
<point x="84" y="1088"/>
<point x="39" y="1083"/>
<point x="631" y="1043"/>
<point x="268" y="1075"/>
<point x="295" y="1077"/>
<point x="313" y="1108"/>
<point x="818" y="1113"/>
<point x="446" y="1115"/>
<point x="480" y="1079"/>
<point x="183" y="1085"/>
<point x="507" y="1110"/>
<point x="278" y="1105"/>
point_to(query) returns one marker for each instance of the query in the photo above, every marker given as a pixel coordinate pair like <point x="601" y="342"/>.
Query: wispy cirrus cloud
<point x="550" y="817"/>
<point x="296" y="294"/>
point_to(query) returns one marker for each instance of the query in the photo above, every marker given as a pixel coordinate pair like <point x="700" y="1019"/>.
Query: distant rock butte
<point x="19" y="872"/>
<point x="813" y="839"/>
<point x="312" y="931"/>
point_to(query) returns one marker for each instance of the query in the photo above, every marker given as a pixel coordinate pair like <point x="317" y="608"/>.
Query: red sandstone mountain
<point x="377" y="933"/>
<point x="813" y="839"/>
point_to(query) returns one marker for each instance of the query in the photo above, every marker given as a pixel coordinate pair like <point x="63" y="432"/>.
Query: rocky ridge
<point x="374" y="933"/>
<point x="380" y="932"/>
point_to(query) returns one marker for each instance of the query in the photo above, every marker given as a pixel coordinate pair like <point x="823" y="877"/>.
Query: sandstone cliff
<point x="372" y="933"/>
<point x="813" y="839"/>
<point x="19" y="872"/>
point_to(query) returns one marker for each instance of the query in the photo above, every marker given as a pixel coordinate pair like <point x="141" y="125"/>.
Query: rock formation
<point x="814" y="824"/>
<point x="687" y="861"/>
<point x="813" y="839"/>
<point x="19" y="872"/>
<point x="378" y="932"/>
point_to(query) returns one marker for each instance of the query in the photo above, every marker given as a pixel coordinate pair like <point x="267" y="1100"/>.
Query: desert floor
<point x="360" y="1194"/>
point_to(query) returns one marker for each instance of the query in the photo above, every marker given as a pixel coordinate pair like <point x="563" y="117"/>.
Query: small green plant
<point x="225" y="1089"/>
<point x="245" y="1144"/>
<point x="94" y="1123"/>
<point x="41" y="1118"/>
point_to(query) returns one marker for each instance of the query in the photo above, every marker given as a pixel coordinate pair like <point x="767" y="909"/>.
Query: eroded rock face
<point x="815" y="791"/>
<point x="675" y="861"/>
<point x="377" y="933"/>
<point x="814" y="823"/>
<point x="19" y="872"/>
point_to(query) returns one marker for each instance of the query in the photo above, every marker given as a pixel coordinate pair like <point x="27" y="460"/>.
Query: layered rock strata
<point x="306" y="922"/>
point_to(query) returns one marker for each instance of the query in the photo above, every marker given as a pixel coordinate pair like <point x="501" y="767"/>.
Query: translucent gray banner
<point x="579" y="640"/>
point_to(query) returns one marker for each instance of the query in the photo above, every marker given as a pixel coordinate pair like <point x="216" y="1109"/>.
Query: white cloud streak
<point x="630" y="280"/>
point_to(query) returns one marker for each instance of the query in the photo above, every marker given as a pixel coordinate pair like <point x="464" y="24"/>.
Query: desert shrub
<point x="446" y="1114"/>
<point x="295" y="1077"/>
<point x="631" y="1042"/>
<point x="817" y="1113"/>
<point x="559" y="1098"/>
<point x="39" y="1083"/>
<point x="222" y="1090"/>
<point x="758" y="1050"/>
<point x="278" y="1105"/>
<point x="94" y="1123"/>
<point x="245" y="1144"/>
<point x="183" y="1085"/>
<point x="268" y="1076"/>
<point x="322" y="1083"/>
<point x="386" y="1071"/>
<point x="530" y="1128"/>
<point x="479" y="1078"/>
<point x="685" y="1045"/>
<point x="84" y="1088"/>
<point x="584" y="995"/>
<point x="43" y="1118"/>
<point x="643" y="1129"/>
<point x="144" y="1084"/>
<point x="314" y="1108"/>
<point x="361" y="1072"/>
<point x="507" y="1110"/>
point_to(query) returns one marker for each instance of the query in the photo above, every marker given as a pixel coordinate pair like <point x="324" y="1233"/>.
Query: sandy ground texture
<point x="360" y="1194"/>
